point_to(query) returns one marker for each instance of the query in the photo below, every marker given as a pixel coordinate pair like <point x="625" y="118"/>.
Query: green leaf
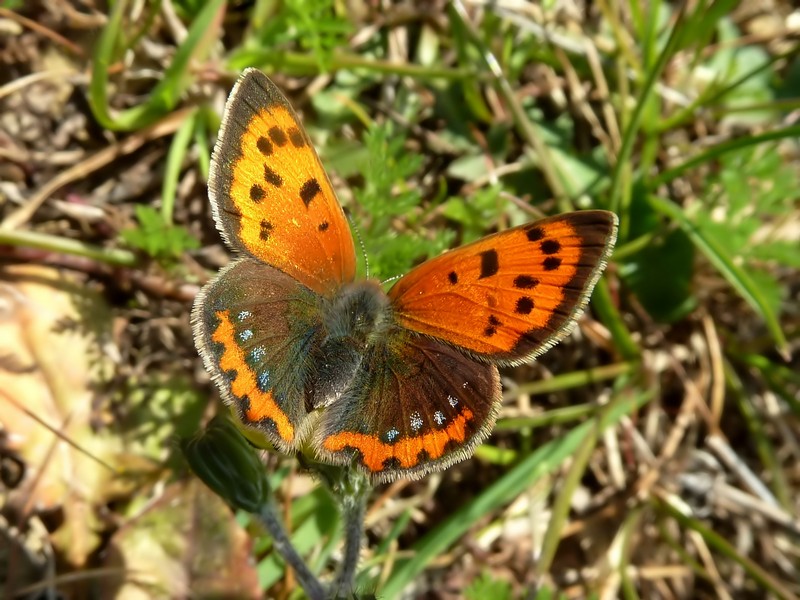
<point x="175" y="80"/>
<point x="156" y="237"/>
<point x="172" y="172"/>
<point x="486" y="586"/>
<point x="726" y="265"/>
<point x="385" y="197"/>
<point x="314" y="26"/>
<point x="660" y="273"/>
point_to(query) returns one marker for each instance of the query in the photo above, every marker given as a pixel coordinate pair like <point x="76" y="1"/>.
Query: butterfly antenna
<point x="391" y="279"/>
<point x="357" y="233"/>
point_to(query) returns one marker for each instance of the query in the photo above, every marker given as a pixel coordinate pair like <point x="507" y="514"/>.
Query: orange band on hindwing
<point x="243" y="386"/>
<point x="375" y="453"/>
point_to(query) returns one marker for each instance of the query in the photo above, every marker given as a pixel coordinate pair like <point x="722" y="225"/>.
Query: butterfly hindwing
<point x="269" y="192"/>
<point x="255" y="328"/>
<point x="509" y="296"/>
<point x="416" y="405"/>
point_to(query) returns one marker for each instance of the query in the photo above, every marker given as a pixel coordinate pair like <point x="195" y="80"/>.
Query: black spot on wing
<point x="264" y="146"/>
<point x="535" y="234"/>
<point x="550" y="246"/>
<point x="452" y="277"/>
<point x="391" y="436"/>
<point x="309" y="191"/>
<point x="266" y="230"/>
<point x="391" y="464"/>
<point x="524" y="306"/>
<point x="551" y="263"/>
<point x="490" y="264"/>
<point x="491" y="328"/>
<point x="296" y="137"/>
<point x="277" y="135"/>
<point x="525" y="282"/>
<point x="270" y="176"/>
<point x="423" y="457"/>
<point x="257" y="193"/>
<point x="266" y="422"/>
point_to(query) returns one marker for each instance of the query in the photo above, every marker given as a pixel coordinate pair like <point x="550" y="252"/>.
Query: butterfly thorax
<point x="355" y="319"/>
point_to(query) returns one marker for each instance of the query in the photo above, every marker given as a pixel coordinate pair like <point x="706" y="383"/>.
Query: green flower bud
<point x="223" y="459"/>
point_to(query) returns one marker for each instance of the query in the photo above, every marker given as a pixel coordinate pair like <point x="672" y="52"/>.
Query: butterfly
<point x="400" y="383"/>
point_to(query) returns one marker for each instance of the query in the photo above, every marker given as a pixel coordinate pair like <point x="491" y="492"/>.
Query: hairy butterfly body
<point x="401" y="383"/>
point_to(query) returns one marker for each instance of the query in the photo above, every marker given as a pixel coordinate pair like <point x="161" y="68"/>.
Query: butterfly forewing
<point x="271" y="196"/>
<point x="416" y="405"/>
<point x="512" y="295"/>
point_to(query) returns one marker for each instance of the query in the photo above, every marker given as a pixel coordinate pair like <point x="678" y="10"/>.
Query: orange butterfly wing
<point x="512" y="295"/>
<point x="270" y="195"/>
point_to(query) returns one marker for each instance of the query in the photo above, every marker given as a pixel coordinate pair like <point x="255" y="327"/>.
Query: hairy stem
<point x="353" y="511"/>
<point x="272" y="523"/>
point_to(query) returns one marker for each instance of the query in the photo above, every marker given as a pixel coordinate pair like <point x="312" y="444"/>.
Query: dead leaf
<point x="186" y="545"/>
<point x="52" y="362"/>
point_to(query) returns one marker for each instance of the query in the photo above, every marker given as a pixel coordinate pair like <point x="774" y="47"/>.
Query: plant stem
<point x="280" y="539"/>
<point x="353" y="510"/>
<point x="53" y="243"/>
